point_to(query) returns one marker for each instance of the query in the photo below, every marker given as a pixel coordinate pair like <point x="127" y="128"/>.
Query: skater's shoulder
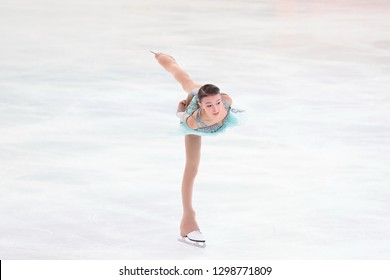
<point x="227" y="98"/>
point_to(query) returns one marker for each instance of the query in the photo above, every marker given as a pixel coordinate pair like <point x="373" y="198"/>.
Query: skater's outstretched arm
<point x="170" y="64"/>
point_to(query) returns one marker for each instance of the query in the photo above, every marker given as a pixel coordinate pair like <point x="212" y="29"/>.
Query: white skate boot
<point x="194" y="238"/>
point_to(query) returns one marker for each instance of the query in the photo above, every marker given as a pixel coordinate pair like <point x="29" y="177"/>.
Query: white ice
<point x="91" y="162"/>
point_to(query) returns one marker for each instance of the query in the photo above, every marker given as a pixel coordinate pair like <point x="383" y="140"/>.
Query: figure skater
<point x="205" y="111"/>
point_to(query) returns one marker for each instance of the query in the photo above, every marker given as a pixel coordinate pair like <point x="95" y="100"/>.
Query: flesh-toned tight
<point x="192" y="145"/>
<point x="170" y="64"/>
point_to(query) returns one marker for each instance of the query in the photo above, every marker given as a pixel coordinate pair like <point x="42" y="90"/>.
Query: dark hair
<point x="207" y="90"/>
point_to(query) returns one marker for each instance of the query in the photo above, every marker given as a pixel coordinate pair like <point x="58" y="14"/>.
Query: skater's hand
<point x="182" y="105"/>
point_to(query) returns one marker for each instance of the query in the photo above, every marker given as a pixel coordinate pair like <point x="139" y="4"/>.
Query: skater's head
<point x="210" y="100"/>
<point x="207" y="90"/>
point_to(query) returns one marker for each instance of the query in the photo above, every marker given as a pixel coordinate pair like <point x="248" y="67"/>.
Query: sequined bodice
<point x="202" y="128"/>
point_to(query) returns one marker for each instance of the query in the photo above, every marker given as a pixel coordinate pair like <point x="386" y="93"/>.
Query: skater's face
<point x="212" y="105"/>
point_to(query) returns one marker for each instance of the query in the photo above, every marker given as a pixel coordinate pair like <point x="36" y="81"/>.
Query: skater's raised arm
<point x="170" y="64"/>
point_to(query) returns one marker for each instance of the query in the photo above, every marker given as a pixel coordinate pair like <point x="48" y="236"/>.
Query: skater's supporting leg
<point x="193" y="146"/>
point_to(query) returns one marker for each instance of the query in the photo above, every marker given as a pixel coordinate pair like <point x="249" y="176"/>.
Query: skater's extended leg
<point x="193" y="146"/>
<point x="170" y="64"/>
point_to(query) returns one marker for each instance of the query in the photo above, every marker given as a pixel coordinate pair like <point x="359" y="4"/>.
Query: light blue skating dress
<point x="233" y="118"/>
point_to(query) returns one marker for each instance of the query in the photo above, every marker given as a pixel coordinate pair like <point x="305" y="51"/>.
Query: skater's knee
<point x="191" y="169"/>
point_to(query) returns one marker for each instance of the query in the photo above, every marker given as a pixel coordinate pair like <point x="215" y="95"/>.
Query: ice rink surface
<point x="91" y="161"/>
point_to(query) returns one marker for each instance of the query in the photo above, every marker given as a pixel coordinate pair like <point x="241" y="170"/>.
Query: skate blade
<point x="199" y="244"/>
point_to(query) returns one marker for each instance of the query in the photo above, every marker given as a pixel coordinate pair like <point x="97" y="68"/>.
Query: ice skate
<point x="194" y="238"/>
<point x="157" y="54"/>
